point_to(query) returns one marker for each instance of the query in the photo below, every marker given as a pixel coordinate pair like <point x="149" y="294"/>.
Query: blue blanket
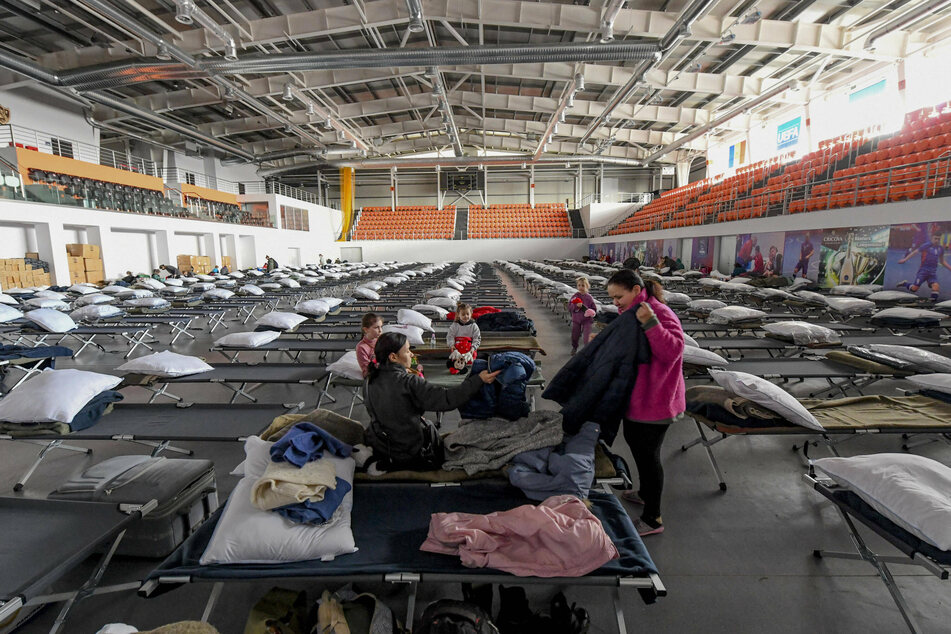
<point x="316" y="512"/>
<point x="94" y="409"/>
<point x="305" y="442"/>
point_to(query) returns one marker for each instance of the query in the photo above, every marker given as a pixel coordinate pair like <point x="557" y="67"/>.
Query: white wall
<point x="133" y="250"/>
<point x="601" y="214"/>
<point x="49" y="113"/>
<point x="184" y="244"/>
<point x="13" y="242"/>
<point x="242" y="173"/>
<point x="477" y="250"/>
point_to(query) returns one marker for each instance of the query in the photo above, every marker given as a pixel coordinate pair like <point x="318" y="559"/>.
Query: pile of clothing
<point x="505" y="397"/>
<point x="504" y="321"/>
<point x="476" y="312"/>
<point x="484" y="445"/>
<point x="300" y="484"/>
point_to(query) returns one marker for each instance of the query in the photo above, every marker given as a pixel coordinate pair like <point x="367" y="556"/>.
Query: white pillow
<point x="445" y="292"/>
<point x="414" y="318"/>
<point x="429" y="308"/>
<point x="83" y="289"/>
<point x="773" y="294"/>
<point x="150" y="283"/>
<point x="676" y="299"/>
<point x="815" y="298"/>
<point x="48" y="303"/>
<point x="147" y="302"/>
<point x="366" y="293"/>
<point x="204" y="278"/>
<point x="173" y="281"/>
<point x="802" y="333"/>
<point x="175" y="290"/>
<point x="850" y="291"/>
<point x="393" y="280"/>
<point x="289" y="283"/>
<point x="96" y="298"/>
<point x="900" y="313"/>
<point x="50" y="295"/>
<point x="34" y="401"/>
<point x="201" y="287"/>
<point x="770" y="396"/>
<point x="734" y="315"/>
<point x="255" y="273"/>
<point x="134" y="293"/>
<point x="8" y="313"/>
<point x="248" y="339"/>
<point x="6" y="299"/>
<point x="347" y="366"/>
<point x="188" y="279"/>
<point x="451" y="283"/>
<point x="94" y="312"/>
<point x="690" y="341"/>
<point x="443" y="302"/>
<point x="703" y="358"/>
<point x="893" y="296"/>
<point x="912" y="491"/>
<point x="711" y="282"/>
<point x="225" y="283"/>
<point x="313" y="307"/>
<point x="236" y="275"/>
<point x="248" y="535"/>
<point x="114" y="289"/>
<point x="924" y="359"/>
<point x="217" y="293"/>
<point x="705" y="305"/>
<point x="850" y="305"/>
<point x="281" y="321"/>
<point x="413" y="333"/>
<point x="373" y="286"/>
<point x="250" y="289"/>
<point x="165" y="364"/>
<point x="734" y="287"/>
<point x="939" y="382"/>
<point x="51" y="320"/>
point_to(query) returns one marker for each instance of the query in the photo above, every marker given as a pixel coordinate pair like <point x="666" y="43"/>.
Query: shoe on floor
<point x="644" y="529"/>
<point x="632" y="496"/>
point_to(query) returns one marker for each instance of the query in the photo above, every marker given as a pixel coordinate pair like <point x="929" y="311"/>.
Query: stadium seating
<point x="412" y="222"/>
<point x="848" y="171"/>
<point x="544" y="220"/>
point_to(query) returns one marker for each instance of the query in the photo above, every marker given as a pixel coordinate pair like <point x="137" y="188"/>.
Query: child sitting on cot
<point x="582" y="309"/>
<point x="464" y="326"/>
<point x="372" y="326"/>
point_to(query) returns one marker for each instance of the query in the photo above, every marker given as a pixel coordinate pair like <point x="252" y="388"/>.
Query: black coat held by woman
<point x="596" y="383"/>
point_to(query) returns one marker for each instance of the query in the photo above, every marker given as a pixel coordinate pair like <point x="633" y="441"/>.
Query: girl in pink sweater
<point x="372" y="326"/>
<point x="657" y="399"/>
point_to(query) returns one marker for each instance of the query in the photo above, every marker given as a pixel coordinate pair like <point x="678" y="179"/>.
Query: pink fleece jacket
<point x="558" y="538"/>
<point x="659" y="391"/>
<point x="365" y="353"/>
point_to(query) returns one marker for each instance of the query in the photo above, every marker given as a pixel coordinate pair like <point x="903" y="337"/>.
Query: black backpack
<point x="448" y="616"/>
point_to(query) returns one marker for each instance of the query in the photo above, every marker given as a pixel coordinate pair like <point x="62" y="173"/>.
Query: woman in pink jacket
<point x="657" y="399"/>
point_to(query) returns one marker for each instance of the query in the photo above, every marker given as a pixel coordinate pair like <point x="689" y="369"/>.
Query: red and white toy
<point x="462" y="356"/>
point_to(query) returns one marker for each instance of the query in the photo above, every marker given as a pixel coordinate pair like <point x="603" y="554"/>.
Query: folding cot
<point x="389" y="523"/>
<point x="233" y="376"/>
<point x="133" y="334"/>
<point x="353" y="331"/>
<point x="439" y="376"/>
<point x="842" y="418"/>
<point x="701" y="329"/>
<point x="776" y="347"/>
<point x="29" y="360"/>
<point x="45" y="539"/>
<point x="177" y="324"/>
<point x="915" y="551"/>
<point x="156" y="426"/>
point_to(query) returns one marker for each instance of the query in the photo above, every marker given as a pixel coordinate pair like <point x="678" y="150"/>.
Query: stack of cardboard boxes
<point x="16" y="272"/>
<point x="194" y="263"/>
<point x="85" y="263"/>
<point x="226" y="261"/>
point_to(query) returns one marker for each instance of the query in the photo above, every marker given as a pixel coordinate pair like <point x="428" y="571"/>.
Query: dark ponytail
<point x="388" y="343"/>
<point x="626" y="278"/>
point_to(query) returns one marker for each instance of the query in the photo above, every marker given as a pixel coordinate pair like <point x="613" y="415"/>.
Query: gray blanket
<point x="483" y="445"/>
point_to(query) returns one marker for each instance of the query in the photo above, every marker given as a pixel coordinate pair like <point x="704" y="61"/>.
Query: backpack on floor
<point x="448" y="616"/>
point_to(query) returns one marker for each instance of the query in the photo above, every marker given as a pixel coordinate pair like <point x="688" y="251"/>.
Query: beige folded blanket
<point x="284" y="483"/>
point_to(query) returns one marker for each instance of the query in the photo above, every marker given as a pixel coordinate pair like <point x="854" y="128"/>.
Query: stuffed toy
<point x="590" y="313"/>
<point x="461" y="357"/>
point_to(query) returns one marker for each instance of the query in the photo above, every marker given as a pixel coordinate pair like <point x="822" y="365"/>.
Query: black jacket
<point x="506" y="396"/>
<point x="596" y="384"/>
<point x="397" y="400"/>
<point x="505" y="321"/>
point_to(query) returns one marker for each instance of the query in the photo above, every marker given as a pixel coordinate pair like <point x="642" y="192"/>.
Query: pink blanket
<point x="558" y="538"/>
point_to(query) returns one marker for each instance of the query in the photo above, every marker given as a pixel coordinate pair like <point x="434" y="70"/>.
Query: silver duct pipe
<point x="607" y="22"/>
<point x="125" y="21"/>
<point x="187" y="12"/>
<point x="470" y="161"/>
<point x="738" y="110"/>
<point x="415" y="8"/>
<point x="137" y="71"/>
<point x="105" y="126"/>
<point x="50" y="78"/>
<point x="677" y="32"/>
<point x="912" y="16"/>
<point x="441" y="56"/>
<point x="277" y="155"/>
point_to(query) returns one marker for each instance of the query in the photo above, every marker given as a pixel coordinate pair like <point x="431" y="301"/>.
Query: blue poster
<point x="732" y="156"/>
<point x="787" y="134"/>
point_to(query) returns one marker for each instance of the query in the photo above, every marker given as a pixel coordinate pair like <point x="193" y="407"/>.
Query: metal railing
<point x="617" y="197"/>
<point x="910" y="181"/>
<point x="14" y="135"/>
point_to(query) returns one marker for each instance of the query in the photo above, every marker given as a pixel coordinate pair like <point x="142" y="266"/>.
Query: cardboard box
<point x="96" y="277"/>
<point x="84" y="250"/>
<point x="226" y="261"/>
<point x="92" y="264"/>
<point x="76" y="263"/>
<point x="32" y="255"/>
<point x="77" y="277"/>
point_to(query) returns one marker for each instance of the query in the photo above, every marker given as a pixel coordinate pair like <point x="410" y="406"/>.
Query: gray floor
<point x="738" y="561"/>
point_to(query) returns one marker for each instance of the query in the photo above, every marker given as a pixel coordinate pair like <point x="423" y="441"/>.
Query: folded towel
<point x="283" y="484"/>
<point x="305" y="442"/>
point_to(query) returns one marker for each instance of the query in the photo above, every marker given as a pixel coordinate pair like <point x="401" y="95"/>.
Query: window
<point x="61" y="147"/>
<point x="241" y="188"/>
<point x="189" y="178"/>
<point x="294" y="218"/>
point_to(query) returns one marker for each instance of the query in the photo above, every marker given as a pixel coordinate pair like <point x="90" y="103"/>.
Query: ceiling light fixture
<point x="571" y="100"/>
<point x="183" y="12"/>
<point x="231" y="52"/>
<point x="163" y="53"/>
<point x="288" y="94"/>
<point x="727" y="38"/>
<point x="752" y="16"/>
<point x="310" y="110"/>
<point x="579" y="81"/>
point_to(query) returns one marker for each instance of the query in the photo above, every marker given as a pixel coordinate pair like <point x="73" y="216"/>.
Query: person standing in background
<point x="583" y="309"/>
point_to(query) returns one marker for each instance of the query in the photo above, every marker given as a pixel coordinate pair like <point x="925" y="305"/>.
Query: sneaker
<point x="573" y="352"/>
<point x="632" y="496"/>
<point x="644" y="529"/>
<point x="902" y="284"/>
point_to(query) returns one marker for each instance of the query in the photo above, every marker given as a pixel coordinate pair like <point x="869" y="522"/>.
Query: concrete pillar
<point x="531" y="185"/>
<point x="154" y="257"/>
<point x="31" y="239"/>
<point x="439" y="196"/>
<point x="50" y="244"/>
<point x="394" y="194"/>
<point x="163" y="250"/>
<point x="579" y="185"/>
<point x="210" y="243"/>
<point x="682" y="172"/>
